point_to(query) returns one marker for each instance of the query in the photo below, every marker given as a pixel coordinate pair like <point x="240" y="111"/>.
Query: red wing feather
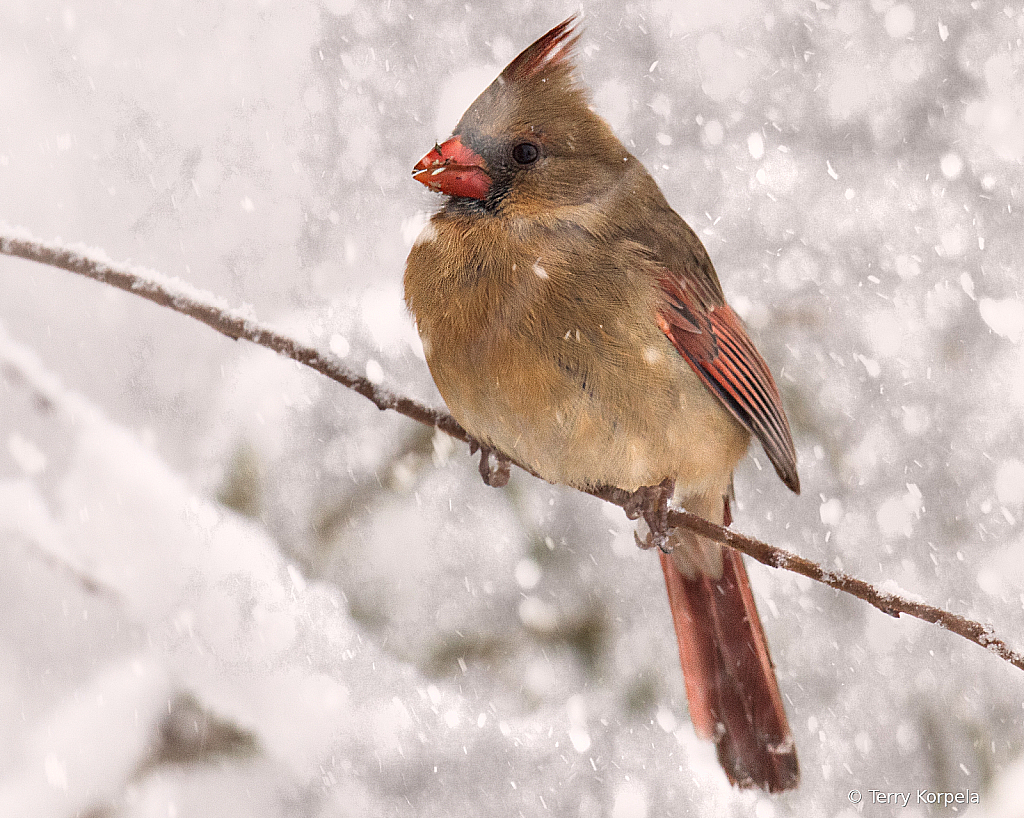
<point x="711" y="337"/>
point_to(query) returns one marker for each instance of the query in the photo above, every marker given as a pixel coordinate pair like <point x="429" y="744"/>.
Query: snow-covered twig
<point x="215" y="312"/>
<point x="889" y="603"/>
<point x="30" y="522"/>
<point x="234" y="323"/>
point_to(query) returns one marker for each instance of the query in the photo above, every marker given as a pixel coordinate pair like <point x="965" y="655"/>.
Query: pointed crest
<point x="550" y="52"/>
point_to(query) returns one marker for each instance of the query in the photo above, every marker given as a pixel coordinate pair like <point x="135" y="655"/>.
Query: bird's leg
<point x="651" y="503"/>
<point x="495" y="476"/>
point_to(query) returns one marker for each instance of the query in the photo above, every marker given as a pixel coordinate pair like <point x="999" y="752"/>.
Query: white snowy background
<point x="230" y="587"/>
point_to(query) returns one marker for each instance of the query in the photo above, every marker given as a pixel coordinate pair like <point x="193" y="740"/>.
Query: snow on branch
<point x="237" y="324"/>
<point x="216" y="313"/>
<point x="887" y="602"/>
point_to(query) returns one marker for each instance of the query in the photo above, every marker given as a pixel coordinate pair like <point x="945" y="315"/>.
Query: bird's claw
<point x="648" y="541"/>
<point x="651" y="503"/>
<point x="495" y="476"/>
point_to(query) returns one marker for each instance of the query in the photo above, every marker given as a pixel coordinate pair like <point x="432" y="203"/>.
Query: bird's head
<point x="530" y="142"/>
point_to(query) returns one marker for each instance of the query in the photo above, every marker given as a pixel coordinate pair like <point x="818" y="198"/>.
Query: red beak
<point x="454" y="169"/>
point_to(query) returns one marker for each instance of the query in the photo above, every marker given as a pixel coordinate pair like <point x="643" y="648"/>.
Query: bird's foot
<point x="651" y="503"/>
<point x="496" y="475"/>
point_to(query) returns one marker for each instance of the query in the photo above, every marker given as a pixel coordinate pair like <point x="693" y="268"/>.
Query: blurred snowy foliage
<point x="233" y="588"/>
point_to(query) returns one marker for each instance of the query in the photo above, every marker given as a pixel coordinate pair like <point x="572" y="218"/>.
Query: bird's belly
<point x="626" y="429"/>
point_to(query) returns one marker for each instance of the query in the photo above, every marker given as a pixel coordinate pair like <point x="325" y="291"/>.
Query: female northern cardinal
<point x="574" y="322"/>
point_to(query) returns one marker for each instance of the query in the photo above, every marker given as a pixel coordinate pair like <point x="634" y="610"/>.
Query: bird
<point x="573" y="323"/>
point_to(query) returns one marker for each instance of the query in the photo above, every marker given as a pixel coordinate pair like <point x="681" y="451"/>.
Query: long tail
<point x="730" y="681"/>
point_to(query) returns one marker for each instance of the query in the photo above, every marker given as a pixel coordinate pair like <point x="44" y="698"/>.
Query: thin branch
<point x="217" y="314"/>
<point x="238" y="324"/>
<point x="889" y="603"/>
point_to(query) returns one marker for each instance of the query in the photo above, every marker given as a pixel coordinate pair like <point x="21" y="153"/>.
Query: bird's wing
<point x="712" y="339"/>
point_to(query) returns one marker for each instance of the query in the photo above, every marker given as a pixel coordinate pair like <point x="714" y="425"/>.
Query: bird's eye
<point x="525" y="153"/>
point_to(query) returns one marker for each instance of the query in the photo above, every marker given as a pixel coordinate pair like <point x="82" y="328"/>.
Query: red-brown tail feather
<point x="730" y="681"/>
